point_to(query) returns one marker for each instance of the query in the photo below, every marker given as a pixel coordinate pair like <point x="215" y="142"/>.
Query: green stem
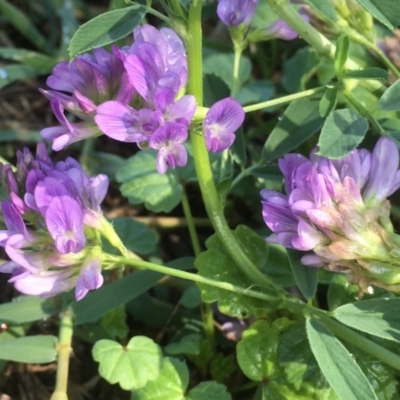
<point x="284" y="99"/>
<point x="356" y="37"/>
<point x="64" y="352"/>
<point x="201" y="159"/>
<point x="192" y="277"/>
<point x="243" y="174"/>
<point x="236" y="69"/>
<point x="362" y="343"/>
<point x="314" y="38"/>
<point x="291" y="303"/>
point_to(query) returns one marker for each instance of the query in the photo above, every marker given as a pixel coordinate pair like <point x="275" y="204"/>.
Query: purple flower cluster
<point x="49" y="214"/>
<point x="336" y="210"/>
<point x="134" y="95"/>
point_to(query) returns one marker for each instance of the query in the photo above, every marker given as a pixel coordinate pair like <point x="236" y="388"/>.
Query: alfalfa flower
<point x="235" y="12"/>
<point x="337" y="212"/>
<point x="221" y="121"/>
<point x="53" y="225"/>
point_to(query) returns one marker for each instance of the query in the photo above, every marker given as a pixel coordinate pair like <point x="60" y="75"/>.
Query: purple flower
<point x="235" y="12"/>
<point x="68" y="132"/>
<point x="221" y="122"/>
<point x="62" y="205"/>
<point x="337" y="209"/>
<point x="89" y="81"/>
<point x="168" y="141"/>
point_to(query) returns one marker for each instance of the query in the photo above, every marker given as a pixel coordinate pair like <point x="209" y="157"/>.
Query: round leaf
<point x="131" y="366"/>
<point x="170" y="384"/>
<point x="141" y="183"/>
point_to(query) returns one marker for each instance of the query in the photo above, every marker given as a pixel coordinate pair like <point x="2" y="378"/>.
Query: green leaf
<point x="106" y="28"/>
<point x="222" y="367"/>
<point x="221" y="65"/>
<point x="341" y="53"/>
<point x="39" y="349"/>
<point x="337" y="364"/>
<point x="299" y="122"/>
<point x="378" y="317"/>
<point x="255" y="92"/>
<point x="170" y="384"/>
<point x="131" y="366"/>
<point x="328" y="102"/>
<point x="385" y="11"/>
<point x="325" y="9"/>
<point x="108" y="297"/>
<point x="390" y="101"/>
<point x="189" y="344"/>
<point x="22" y="23"/>
<point x="300" y="368"/>
<point x="367" y="73"/>
<point x="28" y="309"/>
<point x="257" y="351"/>
<point x="340" y="292"/>
<point x="306" y="277"/>
<point x="114" y="322"/>
<point x="215" y="262"/>
<point x="297" y="69"/>
<point x="209" y="391"/>
<point x="35" y="60"/>
<point x="15" y="72"/>
<point x="342" y="132"/>
<point x="214" y="89"/>
<point x="191" y="297"/>
<point x="278" y="265"/>
<point x="142" y="183"/>
<point x="135" y="235"/>
<point x="99" y="162"/>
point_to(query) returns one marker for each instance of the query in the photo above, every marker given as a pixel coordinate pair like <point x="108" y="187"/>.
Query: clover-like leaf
<point x="170" y="384"/>
<point x="131" y="366"/>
